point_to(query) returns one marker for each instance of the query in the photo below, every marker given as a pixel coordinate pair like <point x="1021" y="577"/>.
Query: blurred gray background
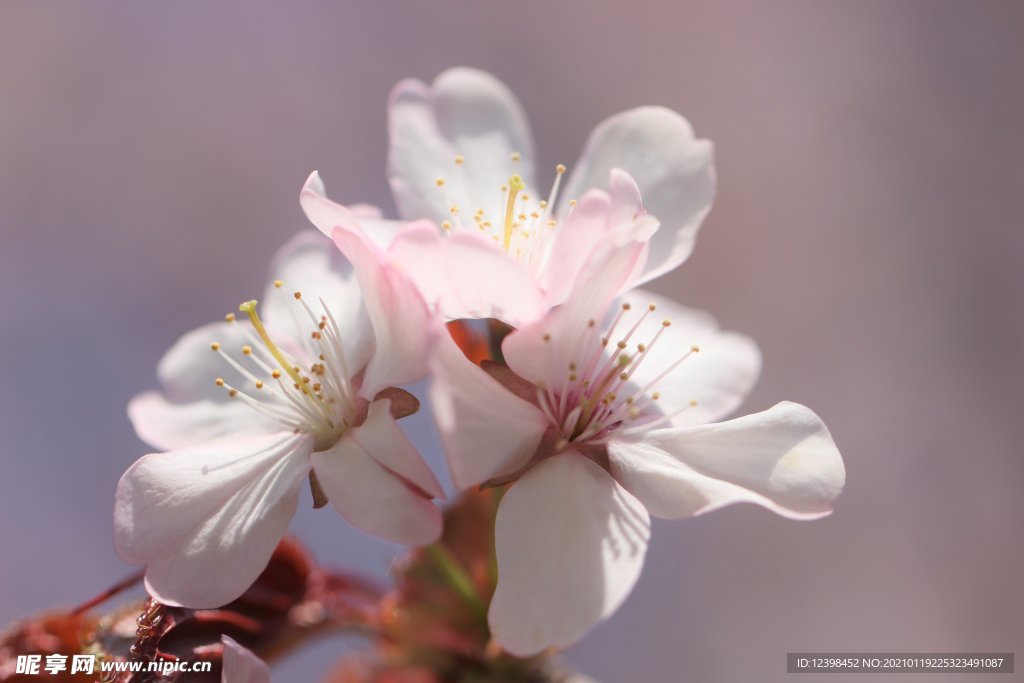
<point x="867" y="232"/>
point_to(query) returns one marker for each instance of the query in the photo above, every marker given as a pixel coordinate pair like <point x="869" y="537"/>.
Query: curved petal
<point x="166" y="425"/>
<point x="372" y="498"/>
<point x="383" y="439"/>
<point x="673" y="169"/>
<point x="466" y="113"/>
<point x="466" y="275"/>
<point x="403" y="327"/>
<point x="487" y="430"/>
<point x="310" y="264"/>
<point x="188" y="370"/>
<point x="570" y="543"/>
<point x="718" y="377"/>
<point x="327" y="215"/>
<point x="783" y="459"/>
<point x="241" y="665"/>
<point x="206" y="519"/>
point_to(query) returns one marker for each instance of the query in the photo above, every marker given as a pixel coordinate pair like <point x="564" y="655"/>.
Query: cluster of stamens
<point x="597" y="396"/>
<point x="523" y="229"/>
<point x="314" y="397"/>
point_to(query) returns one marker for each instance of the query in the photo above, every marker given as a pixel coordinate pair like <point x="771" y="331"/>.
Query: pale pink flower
<point x="252" y="407"/>
<point x="240" y="665"/>
<point x="604" y="416"/>
<point x="462" y="159"/>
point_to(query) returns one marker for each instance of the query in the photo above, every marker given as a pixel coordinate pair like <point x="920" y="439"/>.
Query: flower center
<point x="518" y="221"/>
<point x="307" y="388"/>
<point x="598" y="395"/>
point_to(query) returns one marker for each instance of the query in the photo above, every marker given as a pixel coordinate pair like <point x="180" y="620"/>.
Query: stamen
<point x="515" y="184"/>
<point x="249" y="308"/>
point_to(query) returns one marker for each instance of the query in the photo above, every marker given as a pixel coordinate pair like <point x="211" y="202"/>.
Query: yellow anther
<point x="666" y="323"/>
<point x="247" y="350"/>
<point x="454" y="209"/>
<point x="621" y="345"/>
<point x="297" y="295"/>
<point x="652" y="307"/>
<point x="219" y="381"/>
<point x="278" y="283"/>
<point x="572" y="202"/>
<point x="655" y="396"/>
<point x="276" y="374"/>
<point x="695" y="348"/>
<point x="440" y="182"/>
<point x="232" y="392"/>
<point x="543" y="203"/>
<point x="446" y="225"/>
<point x="693" y="403"/>
<point x="641" y="347"/>
<point x="459" y="160"/>
<point x="560" y="169"/>
<point x="230" y="317"/>
<point x="215" y="346"/>
<point x="516" y="156"/>
<point x="259" y="384"/>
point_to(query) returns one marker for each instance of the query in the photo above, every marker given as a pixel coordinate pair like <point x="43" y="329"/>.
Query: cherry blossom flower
<point x="461" y="157"/>
<point x="251" y="407"/>
<point x="606" y="414"/>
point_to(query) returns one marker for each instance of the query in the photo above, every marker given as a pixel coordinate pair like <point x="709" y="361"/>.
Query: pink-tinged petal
<point x="370" y="497"/>
<point x="240" y="665"/>
<point x="466" y="275"/>
<point x="311" y="264"/>
<point x="383" y="439"/>
<point x="465" y="113"/>
<point x="166" y="425"/>
<point x="188" y="370"/>
<point x="487" y="430"/>
<point x="205" y="519"/>
<point x="783" y="459"/>
<point x="718" y="377"/>
<point x="543" y="351"/>
<point x="327" y="215"/>
<point x="674" y="170"/>
<point x="570" y="544"/>
<point x="403" y="327"/>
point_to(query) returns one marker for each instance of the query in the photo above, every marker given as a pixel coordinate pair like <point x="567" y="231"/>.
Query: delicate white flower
<point x="252" y="407"/>
<point x="603" y="417"/>
<point x="461" y="156"/>
<point x="240" y="665"/>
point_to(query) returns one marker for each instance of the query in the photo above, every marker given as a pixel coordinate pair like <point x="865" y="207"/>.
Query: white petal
<point x="465" y="112"/>
<point x="188" y="370"/>
<point x="487" y="430"/>
<point x="783" y="458"/>
<point x="466" y="276"/>
<point x="240" y="665"/>
<point x="370" y="497"/>
<point x="570" y="544"/>
<point x="383" y="439"/>
<point x="327" y="215"/>
<point x="404" y="329"/>
<point x="166" y="425"/>
<point x="205" y="520"/>
<point x="311" y="264"/>
<point x="673" y="169"/>
<point x="718" y="377"/>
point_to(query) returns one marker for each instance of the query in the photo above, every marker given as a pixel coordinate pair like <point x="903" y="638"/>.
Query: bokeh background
<point x="869" y="233"/>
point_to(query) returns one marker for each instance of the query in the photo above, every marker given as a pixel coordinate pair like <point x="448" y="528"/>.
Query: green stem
<point x="458" y="577"/>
